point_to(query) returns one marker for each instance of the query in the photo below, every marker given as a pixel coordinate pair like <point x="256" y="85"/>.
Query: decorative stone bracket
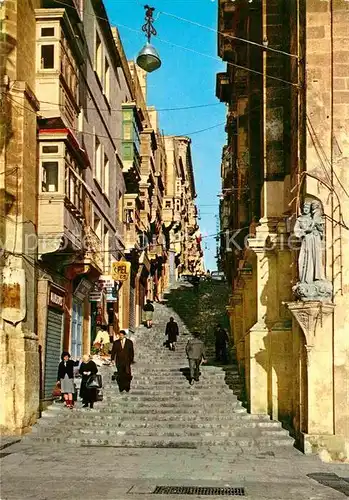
<point x="310" y="317"/>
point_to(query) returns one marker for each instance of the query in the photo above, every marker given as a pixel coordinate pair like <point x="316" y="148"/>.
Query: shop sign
<point x="120" y="270"/>
<point x="109" y="287"/>
<point x="56" y="298"/>
<point x="83" y="289"/>
<point x="95" y="296"/>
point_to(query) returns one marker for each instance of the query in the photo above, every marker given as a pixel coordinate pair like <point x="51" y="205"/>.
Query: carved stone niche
<point x="311" y="317"/>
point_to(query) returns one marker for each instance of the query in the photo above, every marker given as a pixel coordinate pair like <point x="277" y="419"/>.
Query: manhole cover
<point x="199" y="490"/>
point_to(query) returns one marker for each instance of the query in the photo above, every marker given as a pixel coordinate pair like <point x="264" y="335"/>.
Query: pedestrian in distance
<point x="148" y="311"/>
<point x="221" y="342"/>
<point x="65" y="377"/>
<point x="123" y="355"/>
<point x="196" y="282"/>
<point x="87" y="368"/>
<point x="172" y="333"/>
<point x="195" y="351"/>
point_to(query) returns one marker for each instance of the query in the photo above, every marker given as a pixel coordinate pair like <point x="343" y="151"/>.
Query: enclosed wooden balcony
<point x="58" y="59"/>
<point x="223" y="89"/>
<point x="61" y="193"/>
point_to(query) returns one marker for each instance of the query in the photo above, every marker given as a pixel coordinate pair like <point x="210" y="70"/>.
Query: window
<point x="50" y="149"/>
<point x="47" y="56"/>
<point x="73" y="184"/>
<point x="120" y="206"/>
<point x="50" y="176"/>
<point x="128" y="216"/>
<point x="168" y="204"/>
<point x="98" y="57"/>
<point x="106" y="250"/>
<point x="98" y="160"/>
<point x="97" y="226"/>
<point x="48" y="31"/>
<point x="106" y="175"/>
<point x="107" y="80"/>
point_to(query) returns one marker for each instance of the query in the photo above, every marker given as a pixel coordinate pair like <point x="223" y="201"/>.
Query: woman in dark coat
<point x="172" y="333"/>
<point x="148" y="311"/>
<point x="65" y="377"/>
<point x="87" y="368"/>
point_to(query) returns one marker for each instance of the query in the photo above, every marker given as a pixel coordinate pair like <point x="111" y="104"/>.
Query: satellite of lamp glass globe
<point x="148" y="58"/>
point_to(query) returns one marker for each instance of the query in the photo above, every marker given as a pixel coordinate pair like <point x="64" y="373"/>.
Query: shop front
<point x="104" y="299"/>
<point x="52" y="336"/>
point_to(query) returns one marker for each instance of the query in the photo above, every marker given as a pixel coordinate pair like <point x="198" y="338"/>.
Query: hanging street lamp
<point x="148" y="58"/>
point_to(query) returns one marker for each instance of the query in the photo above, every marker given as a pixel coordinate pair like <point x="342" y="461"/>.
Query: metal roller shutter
<point x="53" y="350"/>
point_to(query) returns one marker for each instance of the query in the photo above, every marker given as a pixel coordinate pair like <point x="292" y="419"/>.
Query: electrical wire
<point x="120" y="138"/>
<point x="215" y="58"/>
<point x="325" y="155"/>
<point x="184" y="108"/>
<point x="225" y="35"/>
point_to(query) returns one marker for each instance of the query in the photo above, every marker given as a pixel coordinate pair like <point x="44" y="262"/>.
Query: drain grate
<point x="198" y="490"/>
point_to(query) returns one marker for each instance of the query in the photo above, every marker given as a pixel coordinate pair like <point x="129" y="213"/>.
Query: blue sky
<point x="185" y="78"/>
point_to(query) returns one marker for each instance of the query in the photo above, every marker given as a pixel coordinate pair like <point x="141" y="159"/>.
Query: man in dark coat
<point x="221" y="344"/>
<point x="195" y="351"/>
<point x="123" y="354"/>
<point x="172" y="333"/>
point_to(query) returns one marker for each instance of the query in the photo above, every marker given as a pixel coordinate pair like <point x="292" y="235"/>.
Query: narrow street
<point x="163" y="433"/>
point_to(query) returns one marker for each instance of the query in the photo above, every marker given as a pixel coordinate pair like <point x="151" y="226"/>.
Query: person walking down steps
<point x="65" y="377"/>
<point x="221" y="342"/>
<point x="148" y="311"/>
<point x="195" y="351"/>
<point x="123" y="354"/>
<point x="172" y="333"/>
<point x="87" y="368"/>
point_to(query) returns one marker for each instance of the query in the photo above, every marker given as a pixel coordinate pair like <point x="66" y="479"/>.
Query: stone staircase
<point x="163" y="410"/>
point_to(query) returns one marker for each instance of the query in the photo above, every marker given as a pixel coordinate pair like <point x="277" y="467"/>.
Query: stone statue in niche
<point x="309" y="228"/>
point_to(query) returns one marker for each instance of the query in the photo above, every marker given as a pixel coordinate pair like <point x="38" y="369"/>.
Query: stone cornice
<point x="309" y="316"/>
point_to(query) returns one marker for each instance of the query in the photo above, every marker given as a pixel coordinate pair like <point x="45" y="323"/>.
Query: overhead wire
<point x="226" y="35"/>
<point x="229" y="63"/>
<point x="325" y="156"/>
<point x="85" y="108"/>
<point x="120" y="138"/>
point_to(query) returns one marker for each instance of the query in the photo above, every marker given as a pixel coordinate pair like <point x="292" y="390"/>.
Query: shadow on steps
<point x="202" y="311"/>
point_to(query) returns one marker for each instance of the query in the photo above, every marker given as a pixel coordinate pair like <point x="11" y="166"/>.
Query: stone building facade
<point x="287" y="141"/>
<point x="83" y="168"/>
<point x="180" y="212"/>
<point x="18" y="177"/>
<point x="81" y="87"/>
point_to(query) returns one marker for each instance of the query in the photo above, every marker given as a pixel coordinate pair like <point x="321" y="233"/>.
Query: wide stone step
<point x="223" y="425"/>
<point x="80" y="414"/>
<point x="164" y="391"/>
<point x="165" y="442"/>
<point x="175" y="403"/>
<point x="177" y="412"/>
<point x="176" y="384"/>
<point x="198" y="433"/>
<point x="167" y="398"/>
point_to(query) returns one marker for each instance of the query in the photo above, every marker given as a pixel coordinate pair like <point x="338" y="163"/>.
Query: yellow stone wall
<point x="19" y="358"/>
